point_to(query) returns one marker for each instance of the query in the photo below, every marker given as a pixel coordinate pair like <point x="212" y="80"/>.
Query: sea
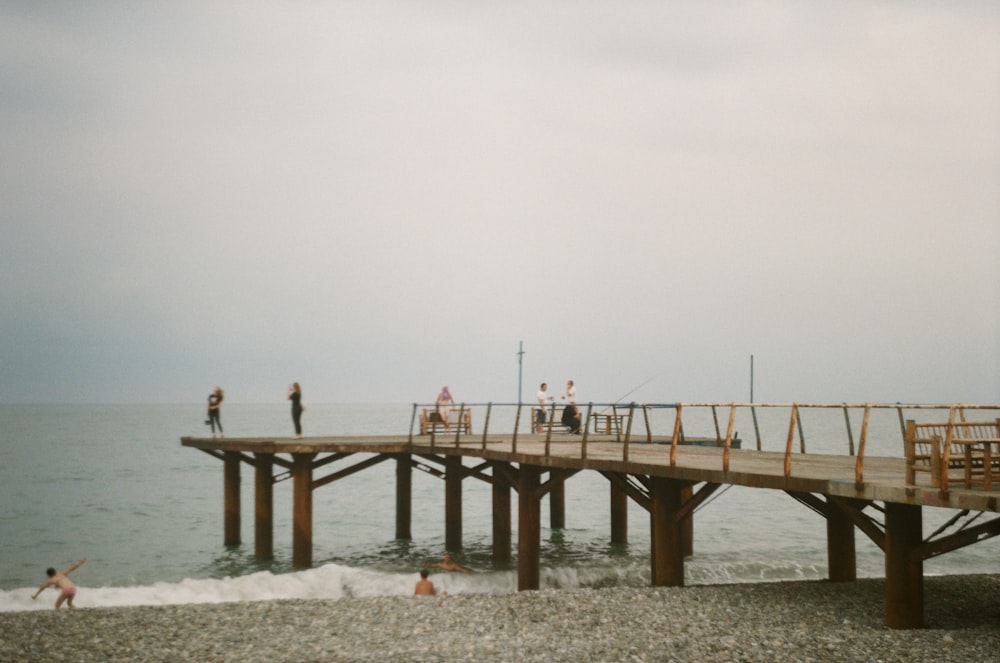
<point x="112" y="484"/>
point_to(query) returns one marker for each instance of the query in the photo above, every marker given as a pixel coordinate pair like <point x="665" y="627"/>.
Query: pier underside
<point x="668" y="484"/>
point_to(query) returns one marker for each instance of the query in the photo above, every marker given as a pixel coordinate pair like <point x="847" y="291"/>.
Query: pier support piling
<point x="263" y="526"/>
<point x="666" y="540"/>
<point x="904" y="566"/>
<point x="454" y="473"/>
<point x="557" y="505"/>
<point x="404" y="493"/>
<point x="231" y="498"/>
<point x="840" y="549"/>
<point x="619" y="514"/>
<point x="687" y="524"/>
<point x="529" y="532"/>
<point x="302" y="507"/>
<point x="501" y="517"/>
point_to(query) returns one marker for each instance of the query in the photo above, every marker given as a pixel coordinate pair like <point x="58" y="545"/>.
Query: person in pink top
<point x="443" y="406"/>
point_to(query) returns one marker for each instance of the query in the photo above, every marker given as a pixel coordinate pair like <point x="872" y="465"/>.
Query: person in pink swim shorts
<point x="67" y="590"/>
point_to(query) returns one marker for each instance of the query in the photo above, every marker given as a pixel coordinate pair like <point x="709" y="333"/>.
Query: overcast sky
<point x="377" y="199"/>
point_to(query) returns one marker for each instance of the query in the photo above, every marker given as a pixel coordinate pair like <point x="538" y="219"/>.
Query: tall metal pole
<point x="751" y="378"/>
<point x="520" y="357"/>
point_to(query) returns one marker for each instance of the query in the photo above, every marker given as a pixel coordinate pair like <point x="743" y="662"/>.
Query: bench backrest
<point x="956" y="432"/>
<point x="937" y="446"/>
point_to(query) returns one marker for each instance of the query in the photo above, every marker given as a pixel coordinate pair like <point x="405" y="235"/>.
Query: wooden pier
<point x="880" y="496"/>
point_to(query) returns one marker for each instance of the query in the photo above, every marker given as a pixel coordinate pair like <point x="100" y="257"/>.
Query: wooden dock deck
<point x="663" y="476"/>
<point x="811" y="473"/>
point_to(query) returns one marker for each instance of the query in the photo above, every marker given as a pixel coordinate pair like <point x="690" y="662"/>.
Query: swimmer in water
<point x="449" y="564"/>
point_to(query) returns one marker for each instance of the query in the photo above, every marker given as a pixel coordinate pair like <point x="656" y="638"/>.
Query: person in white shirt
<point x="543" y="400"/>
<point x="570" y="396"/>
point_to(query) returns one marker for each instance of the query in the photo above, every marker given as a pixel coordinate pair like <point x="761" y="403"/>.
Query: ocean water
<point x="113" y="484"/>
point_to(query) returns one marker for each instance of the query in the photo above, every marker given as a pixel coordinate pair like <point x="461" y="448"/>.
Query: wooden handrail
<point x="946" y="458"/>
<point x="791" y="437"/>
<point x="859" y="468"/>
<point x="729" y="438"/>
<point x="855" y="444"/>
<point x="676" y="437"/>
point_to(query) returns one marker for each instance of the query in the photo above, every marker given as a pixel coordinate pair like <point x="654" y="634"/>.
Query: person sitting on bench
<point x="571" y="418"/>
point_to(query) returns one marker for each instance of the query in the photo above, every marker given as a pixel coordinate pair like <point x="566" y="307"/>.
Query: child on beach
<point x="66" y="586"/>
<point x="424" y="587"/>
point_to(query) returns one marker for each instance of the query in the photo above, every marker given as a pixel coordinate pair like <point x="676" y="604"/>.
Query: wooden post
<point x="231" y="498"/>
<point x="529" y="531"/>
<point x="501" y="519"/>
<point x="263" y="526"/>
<point x="904" y="566"/>
<point x="302" y="510"/>
<point x="841" y="556"/>
<point x="453" y="503"/>
<point x="619" y="514"/>
<point x="404" y="492"/>
<point x="557" y="505"/>
<point x="666" y="541"/>
<point x="687" y="525"/>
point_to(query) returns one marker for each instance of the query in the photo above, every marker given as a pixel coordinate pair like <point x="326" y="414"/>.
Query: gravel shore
<point x="792" y="621"/>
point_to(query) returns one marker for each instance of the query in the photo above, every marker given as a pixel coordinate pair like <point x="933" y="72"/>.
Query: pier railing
<point x="678" y="423"/>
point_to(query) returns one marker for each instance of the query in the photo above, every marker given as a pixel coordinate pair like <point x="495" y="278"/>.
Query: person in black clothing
<point x="571" y="417"/>
<point x="295" y="396"/>
<point x="214" y="410"/>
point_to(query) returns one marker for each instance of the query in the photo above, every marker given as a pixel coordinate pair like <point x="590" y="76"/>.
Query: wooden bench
<point x="553" y="414"/>
<point x="604" y="423"/>
<point x="608" y="423"/>
<point x="964" y="450"/>
<point x="430" y="422"/>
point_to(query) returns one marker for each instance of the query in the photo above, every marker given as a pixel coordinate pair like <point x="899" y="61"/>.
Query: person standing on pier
<point x="543" y="400"/>
<point x="443" y="407"/>
<point x="65" y="585"/>
<point x="295" y="396"/>
<point x="214" y="410"/>
<point x="570" y="396"/>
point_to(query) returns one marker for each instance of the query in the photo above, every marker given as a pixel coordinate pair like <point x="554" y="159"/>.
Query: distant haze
<point x="377" y="199"/>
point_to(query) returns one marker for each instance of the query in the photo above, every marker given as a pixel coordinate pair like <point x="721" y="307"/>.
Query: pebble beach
<point x="790" y="621"/>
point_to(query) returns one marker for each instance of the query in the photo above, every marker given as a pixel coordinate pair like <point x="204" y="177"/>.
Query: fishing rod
<point x="621" y="398"/>
<point x="712" y="498"/>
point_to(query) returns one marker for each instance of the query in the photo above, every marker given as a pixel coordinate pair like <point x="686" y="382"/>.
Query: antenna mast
<point x="520" y="357"/>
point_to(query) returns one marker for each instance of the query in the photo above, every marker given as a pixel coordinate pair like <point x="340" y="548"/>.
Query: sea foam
<point x="330" y="581"/>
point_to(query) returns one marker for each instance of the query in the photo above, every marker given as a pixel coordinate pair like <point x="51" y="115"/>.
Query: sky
<point x="376" y="199"/>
